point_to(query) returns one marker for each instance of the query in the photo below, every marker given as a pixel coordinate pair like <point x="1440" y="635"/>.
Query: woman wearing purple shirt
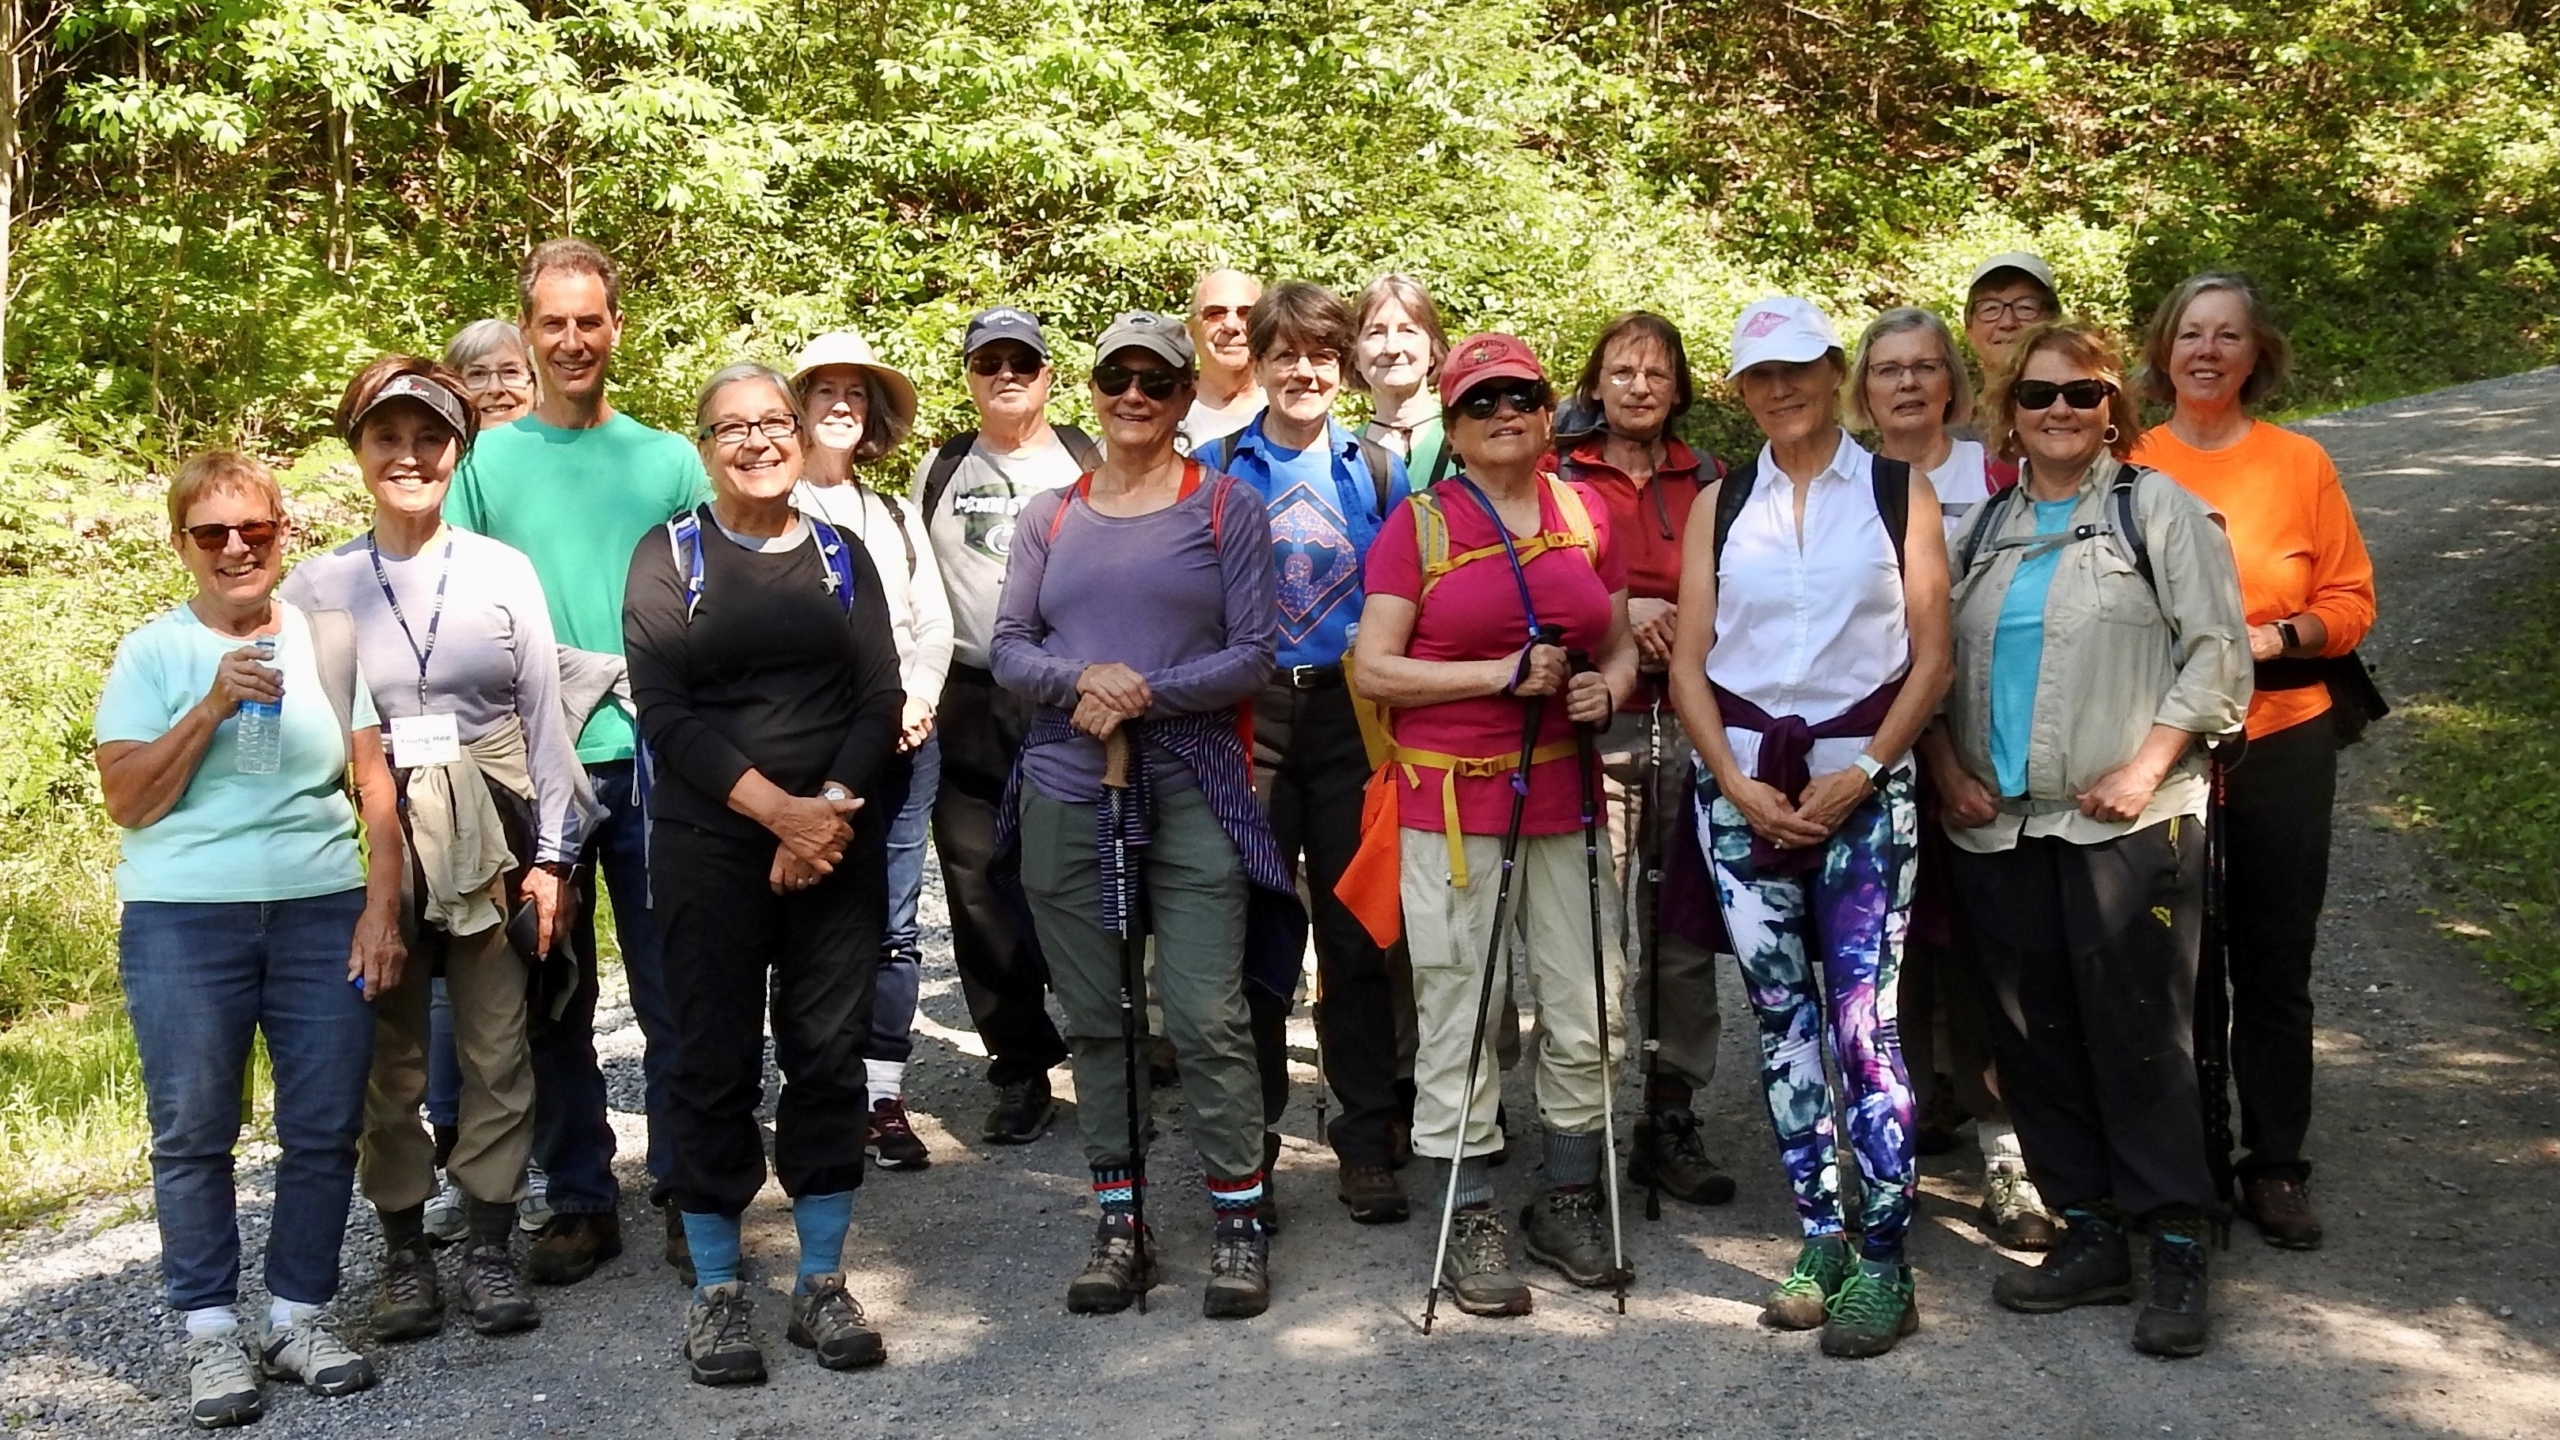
<point x="1142" y="595"/>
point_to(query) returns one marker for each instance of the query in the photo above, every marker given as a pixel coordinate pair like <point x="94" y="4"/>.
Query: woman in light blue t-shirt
<point x="250" y="909"/>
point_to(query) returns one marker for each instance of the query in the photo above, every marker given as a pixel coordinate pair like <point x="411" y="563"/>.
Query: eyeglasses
<point x="2025" y="309"/>
<point x="2079" y="394"/>
<point x="1113" y="379"/>
<point x="256" y="534"/>
<point x="999" y="362"/>
<point x="1625" y="375"/>
<point x="1894" y="373"/>
<point x="730" y="434"/>
<point x="1215" y="314"/>
<point x="1286" y="360"/>
<point x="1523" y="396"/>
<point x="513" y="377"/>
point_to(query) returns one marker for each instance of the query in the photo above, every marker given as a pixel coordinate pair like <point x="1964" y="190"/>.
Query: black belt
<point x="1309" y="677"/>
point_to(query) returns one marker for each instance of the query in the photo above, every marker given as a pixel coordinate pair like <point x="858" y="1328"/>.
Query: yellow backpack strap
<point x="1474" y="767"/>
<point x="1577" y="518"/>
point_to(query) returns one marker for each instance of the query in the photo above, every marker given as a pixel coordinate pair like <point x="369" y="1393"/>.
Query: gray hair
<point x="1898" y="321"/>
<point x="2275" y="352"/>
<point x="728" y="375"/>
<point x="481" y="339"/>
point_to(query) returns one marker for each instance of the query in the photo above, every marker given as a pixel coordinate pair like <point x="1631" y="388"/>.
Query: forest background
<point x="211" y="211"/>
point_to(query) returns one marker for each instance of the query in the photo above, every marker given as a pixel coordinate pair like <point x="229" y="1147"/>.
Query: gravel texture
<point x="2434" y="1311"/>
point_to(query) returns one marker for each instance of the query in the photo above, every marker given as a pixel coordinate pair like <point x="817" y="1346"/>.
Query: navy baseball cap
<point x="1004" y="323"/>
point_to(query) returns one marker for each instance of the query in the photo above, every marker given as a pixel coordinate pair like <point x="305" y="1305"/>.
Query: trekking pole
<point x="1649" y="861"/>
<point x="1116" y="798"/>
<point x="1585" y="754"/>
<point x="2213" y="999"/>
<point x="1535" y="713"/>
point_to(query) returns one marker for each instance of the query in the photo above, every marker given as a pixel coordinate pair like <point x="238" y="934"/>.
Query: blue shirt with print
<point x="1324" y="516"/>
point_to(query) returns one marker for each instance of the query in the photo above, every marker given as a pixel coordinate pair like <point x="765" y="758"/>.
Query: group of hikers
<point x="1493" y="698"/>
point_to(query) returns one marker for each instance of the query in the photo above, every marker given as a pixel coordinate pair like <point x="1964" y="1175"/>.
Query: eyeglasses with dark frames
<point x="1115" y="380"/>
<point x="2079" y="394"/>
<point x="256" y="534"/>
<point x="729" y="434"/>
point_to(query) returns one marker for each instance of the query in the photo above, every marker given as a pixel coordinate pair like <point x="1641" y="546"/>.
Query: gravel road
<point x="2434" y="1311"/>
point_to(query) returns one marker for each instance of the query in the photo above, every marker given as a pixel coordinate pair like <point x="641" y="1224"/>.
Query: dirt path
<point x="2435" y="1309"/>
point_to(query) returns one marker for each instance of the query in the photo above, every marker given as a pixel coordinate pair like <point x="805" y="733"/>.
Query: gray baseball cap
<point x="2024" y="262"/>
<point x="1004" y="322"/>
<point x="439" y="402"/>
<point x="1162" y="336"/>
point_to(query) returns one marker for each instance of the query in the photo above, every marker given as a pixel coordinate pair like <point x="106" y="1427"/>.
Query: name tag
<point x="424" y="740"/>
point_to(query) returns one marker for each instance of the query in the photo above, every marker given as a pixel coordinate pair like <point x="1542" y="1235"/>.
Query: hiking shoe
<point x="448" y="1219"/>
<point x="2088" y="1266"/>
<point x="719" y="1349"/>
<point x="1239" y="1285"/>
<point x="1802" y="1301"/>
<point x="312" y="1354"/>
<point x="1478" y="1271"/>
<point x="679" y="1247"/>
<point x="1267" y="1209"/>
<point x="493" y="1293"/>
<point x="1373" y="1193"/>
<point x="571" y="1247"/>
<point x="222" y="1386"/>
<point x="408" y="1306"/>
<point x="828" y="1320"/>
<point x="534" y="1212"/>
<point x="2281" y="1209"/>
<point x="1874" y="1308"/>
<point x="1669" y="1154"/>
<point x="1565" y="1229"/>
<point x="2175" y="1321"/>
<point x="2013" y="1214"/>
<point x="1022" y="1113"/>
<point x="1115" y="1274"/>
<point x="891" y="1140"/>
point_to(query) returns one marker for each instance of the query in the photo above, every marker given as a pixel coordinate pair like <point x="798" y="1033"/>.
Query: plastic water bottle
<point x="261" y="735"/>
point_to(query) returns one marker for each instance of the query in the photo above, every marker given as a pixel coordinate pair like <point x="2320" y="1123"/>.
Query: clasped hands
<point x="814" y="831"/>
<point x="1109" y="693"/>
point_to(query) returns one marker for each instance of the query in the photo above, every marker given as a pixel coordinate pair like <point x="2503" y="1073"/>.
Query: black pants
<point x="1310" y="769"/>
<point x="730" y="943"/>
<point x="1002" y="974"/>
<point x="2090" y="952"/>
<point x="2276" y="810"/>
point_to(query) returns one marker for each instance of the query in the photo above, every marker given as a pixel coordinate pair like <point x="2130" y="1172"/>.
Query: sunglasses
<point x="1524" y="396"/>
<point x="1154" y="384"/>
<point x="2079" y="394"/>
<point x="256" y="534"/>
<point x="1026" y="366"/>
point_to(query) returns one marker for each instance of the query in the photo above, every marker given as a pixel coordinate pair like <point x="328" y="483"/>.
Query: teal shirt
<point x="576" y="502"/>
<point x="234" y="837"/>
<point x="2017" y="650"/>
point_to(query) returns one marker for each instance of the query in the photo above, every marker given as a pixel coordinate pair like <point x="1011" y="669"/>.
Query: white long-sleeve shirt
<point x="893" y="535"/>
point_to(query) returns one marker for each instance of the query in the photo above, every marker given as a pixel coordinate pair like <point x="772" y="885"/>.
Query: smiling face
<point x="1221" y="306"/>
<point x="753" y="451"/>
<point x="1393" y="350"/>
<point x="574" y="329"/>
<point x="2000" y="312"/>
<point x="1793" y="400"/>
<point x="2060" y="440"/>
<point x="2213" y="350"/>
<point x="1018" y="389"/>
<point x="1638" y="386"/>
<point x="237" y="575"/>
<point x="407" y="454"/>
<point x="1910" y="383"/>
<point x="1300" y="379"/>
<point x="839" y="404"/>
<point x="1513" y="437"/>
<point x="501" y="385"/>
<point x="1136" y="425"/>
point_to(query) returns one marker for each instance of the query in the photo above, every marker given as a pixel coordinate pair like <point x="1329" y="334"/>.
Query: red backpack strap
<point x="1078" y="491"/>
<point x="1191" y="472"/>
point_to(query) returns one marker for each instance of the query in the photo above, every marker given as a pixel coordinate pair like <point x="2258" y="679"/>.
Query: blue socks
<point x="714" y="1242"/>
<point x="822" y="1221"/>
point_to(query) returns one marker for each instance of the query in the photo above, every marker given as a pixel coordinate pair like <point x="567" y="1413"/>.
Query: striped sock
<point x="1475" y="1182"/>
<point x="1115" y="1189"/>
<point x="1234" y="1199"/>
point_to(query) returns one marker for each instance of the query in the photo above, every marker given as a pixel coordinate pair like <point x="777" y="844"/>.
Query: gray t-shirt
<point x="972" y="530"/>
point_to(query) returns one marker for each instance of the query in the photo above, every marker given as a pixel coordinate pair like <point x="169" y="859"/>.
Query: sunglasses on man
<point x="2079" y="394"/>
<point x="991" y="363"/>
<point x="1115" y="380"/>
<point x="214" y="539"/>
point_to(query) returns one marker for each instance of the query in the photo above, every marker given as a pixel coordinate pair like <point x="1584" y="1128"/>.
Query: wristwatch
<point x="2291" y="637"/>
<point x="1869" y="766"/>
<point x="835" y="793"/>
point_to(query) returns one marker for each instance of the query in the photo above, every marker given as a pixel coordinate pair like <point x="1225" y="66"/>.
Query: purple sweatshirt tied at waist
<point x="1786" y="751"/>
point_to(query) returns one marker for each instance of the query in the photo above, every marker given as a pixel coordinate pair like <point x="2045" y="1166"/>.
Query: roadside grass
<point x="2482" y="778"/>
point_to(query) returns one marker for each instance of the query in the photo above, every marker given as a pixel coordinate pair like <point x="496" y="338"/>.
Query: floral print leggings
<point x="1853" y="912"/>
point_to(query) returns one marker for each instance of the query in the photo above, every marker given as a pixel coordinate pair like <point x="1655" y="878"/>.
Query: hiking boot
<point x="571" y="1247"/>
<point x="828" y="1320"/>
<point x="1373" y="1193"/>
<point x="493" y="1293"/>
<point x="2173" y="1324"/>
<point x="1267" y="1209"/>
<point x="1022" y="1113"/>
<point x="222" y="1386"/>
<point x="2088" y="1266"/>
<point x="1239" y="1285"/>
<point x="1874" y="1307"/>
<point x="891" y="1140"/>
<point x="311" y="1354"/>
<point x="1115" y="1274"/>
<point x="1802" y="1301"/>
<point x="719" y="1349"/>
<point x="1478" y="1271"/>
<point x="534" y="1213"/>
<point x="448" y="1218"/>
<point x="679" y="1249"/>
<point x="1668" y="1153"/>
<point x="2281" y="1209"/>
<point x="408" y="1306"/>
<point x="1565" y="1229"/>
<point x="2013" y="1214"/>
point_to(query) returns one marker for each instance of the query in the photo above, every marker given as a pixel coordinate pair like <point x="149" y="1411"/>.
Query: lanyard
<point x="433" y="621"/>
<point x="1519" y="576"/>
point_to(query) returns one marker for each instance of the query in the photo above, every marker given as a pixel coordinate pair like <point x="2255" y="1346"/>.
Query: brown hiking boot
<point x="571" y="1247"/>
<point x="1373" y="1193"/>
<point x="2281" y="1209"/>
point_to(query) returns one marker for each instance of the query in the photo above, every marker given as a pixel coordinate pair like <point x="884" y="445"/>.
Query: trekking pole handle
<point x="1115" y="758"/>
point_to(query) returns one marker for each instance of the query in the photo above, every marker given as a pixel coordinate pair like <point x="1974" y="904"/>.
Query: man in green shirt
<point x="575" y="486"/>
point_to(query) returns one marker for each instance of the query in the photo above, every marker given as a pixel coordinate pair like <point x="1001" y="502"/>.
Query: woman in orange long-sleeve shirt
<point x="2213" y="353"/>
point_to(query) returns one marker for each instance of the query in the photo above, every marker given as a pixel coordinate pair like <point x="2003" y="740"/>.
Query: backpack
<point x="1892" y="479"/>
<point x="1378" y="458"/>
<point x="2127" y="528"/>
<point x="1431" y="534"/>
<point x="946" y="463"/>
<point x="1082" y="489"/>
<point x="684" y="538"/>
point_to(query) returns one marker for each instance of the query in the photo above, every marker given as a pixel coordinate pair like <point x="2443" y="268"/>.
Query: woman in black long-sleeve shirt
<point x="767" y="682"/>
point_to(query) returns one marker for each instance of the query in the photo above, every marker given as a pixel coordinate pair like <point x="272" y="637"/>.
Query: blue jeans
<point x="444" y="1070"/>
<point x="201" y="982"/>
<point x="894" y="990"/>
<point x="572" y="1138"/>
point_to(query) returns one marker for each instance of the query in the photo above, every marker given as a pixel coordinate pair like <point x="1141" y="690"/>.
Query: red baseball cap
<point x="1488" y="356"/>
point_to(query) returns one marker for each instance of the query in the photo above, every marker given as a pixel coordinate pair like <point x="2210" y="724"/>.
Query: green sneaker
<point x="1802" y="1300"/>
<point x="1873" y="1308"/>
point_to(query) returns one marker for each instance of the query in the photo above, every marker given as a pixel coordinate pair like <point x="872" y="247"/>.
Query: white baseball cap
<point x="2025" y="263"/>
<point x="1782" y="327"/>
